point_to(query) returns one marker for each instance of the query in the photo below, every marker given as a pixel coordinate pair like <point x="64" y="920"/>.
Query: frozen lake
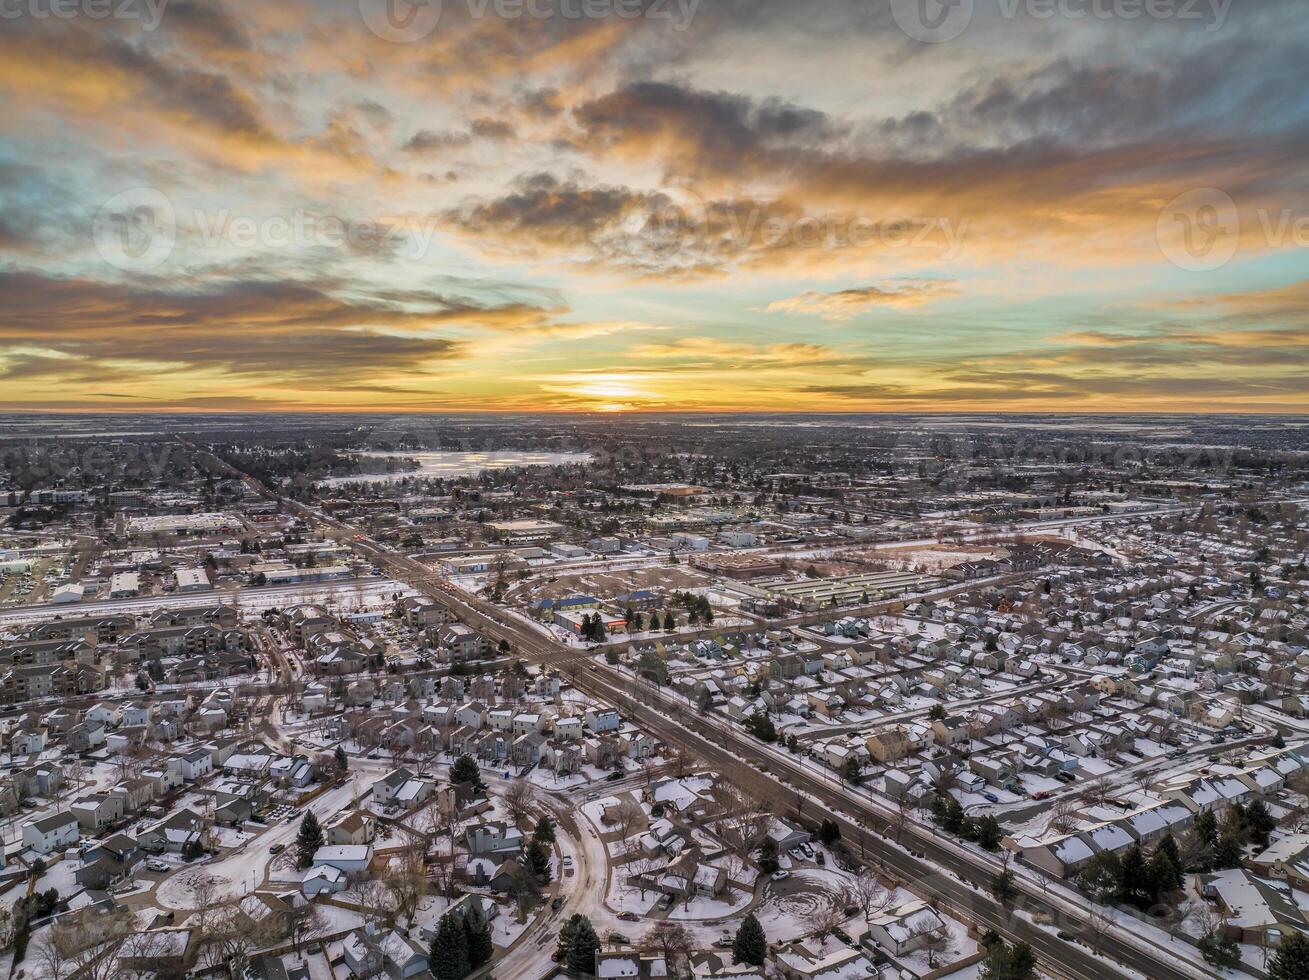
<point x="455" y="464"/>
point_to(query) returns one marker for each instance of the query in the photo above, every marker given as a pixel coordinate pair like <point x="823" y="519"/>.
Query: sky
<point x="654" y="205"/>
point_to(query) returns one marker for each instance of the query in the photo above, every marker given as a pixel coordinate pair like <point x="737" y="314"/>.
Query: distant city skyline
<point x="636" y="206"/>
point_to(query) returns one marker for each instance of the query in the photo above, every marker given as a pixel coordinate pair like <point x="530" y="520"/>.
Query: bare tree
<point x="303" y="925"/>
<point x="869" y="894"/>
<point x="51" y="957"/>
<point x="672" y="941"/>
<point x="407" y="879"/>
<point x="937" y="943"/>
<point x="1063" y="815"/>
<point x="519" y="798"/>
<point x="376" y="901"/>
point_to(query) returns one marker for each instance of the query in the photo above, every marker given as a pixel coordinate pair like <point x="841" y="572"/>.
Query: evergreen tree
<point x="1003" y="888"/>
<point x="342" y="761"/>
<point x="1206" y="828"/>
<point x="989" y="834"/>
<point x="465" y="770"/>
<point x="585" y="944"/>
<point x="1260" y="822"/>
<point x="1219" y="950"/>
<point x="1163" y="874"/>
<point x="954" y="815"/>
<point x="768" y="856"/>
<point x="538" y="857"/>
<point x="566" y="936"/>
<point x="750" y="946"/>
<point x="1291" y="961"/>
<point x="1005" y="962"/>
<point x="1228" y="852"/>
<point x="1134" y="885"/>
<point x="1100" y="876"/>
<point x="762" y="727"/>
<point x="448" y="959"/>
<point x="478" y="931"/>
<point x="829" y="831"/>
<point x="1169" y="846"/>
<point x="544" y="830"/>
<point x="309" y="840"/>
<point x="853" y="771"/>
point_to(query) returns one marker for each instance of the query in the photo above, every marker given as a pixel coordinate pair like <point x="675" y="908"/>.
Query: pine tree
<point x="989" y="834"/>
<point x="567" y="933"/>
<point x="1163" y="875"/>
<point x="585" y="944"/>
<point x="768" y="856"/>
<point x="1260" y="822"/>
<point x="1005" y="962"/>
<point x="478" y="931"/>
<point x="1169" y="846"/>
<point x="1291" y="961"/>
<point x="465" y="770"/>
<point x="853" y="771"/>
<point x="538" y="856"/>
<point x="750" y="946"/>
<point x="1003" y="888"/>
<point x="1219" y="949"/>
<point x="448" y="959"/>
<point x="1134" y="878"/>
<point x="544" y="830"/>
<point x="309" y="840"/>
<point x="342" y="761"/>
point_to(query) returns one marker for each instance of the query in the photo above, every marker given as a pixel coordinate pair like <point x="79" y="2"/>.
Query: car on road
<point x="1177" y="753"/>
<point x="558" y="903"/>
<point x="154" y="864"/>
<point x="781" y="874"/>
<point x="629" y="917"/>
<point x="1067" y="937"/>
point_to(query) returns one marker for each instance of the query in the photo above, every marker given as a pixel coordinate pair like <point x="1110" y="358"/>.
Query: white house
<point x="51" y="833"/>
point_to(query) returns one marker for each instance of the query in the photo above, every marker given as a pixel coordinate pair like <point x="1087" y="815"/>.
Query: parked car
<point x="781" y="874"/>
<point x="629" y="917"/>
<point x="277" y="849"/>
<point x="567" y="861"/>
<point x="990" y="798"/>
<point x="618" y="937"/>
<point x="725" y="941"/>
<point x="154" y="864"/>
